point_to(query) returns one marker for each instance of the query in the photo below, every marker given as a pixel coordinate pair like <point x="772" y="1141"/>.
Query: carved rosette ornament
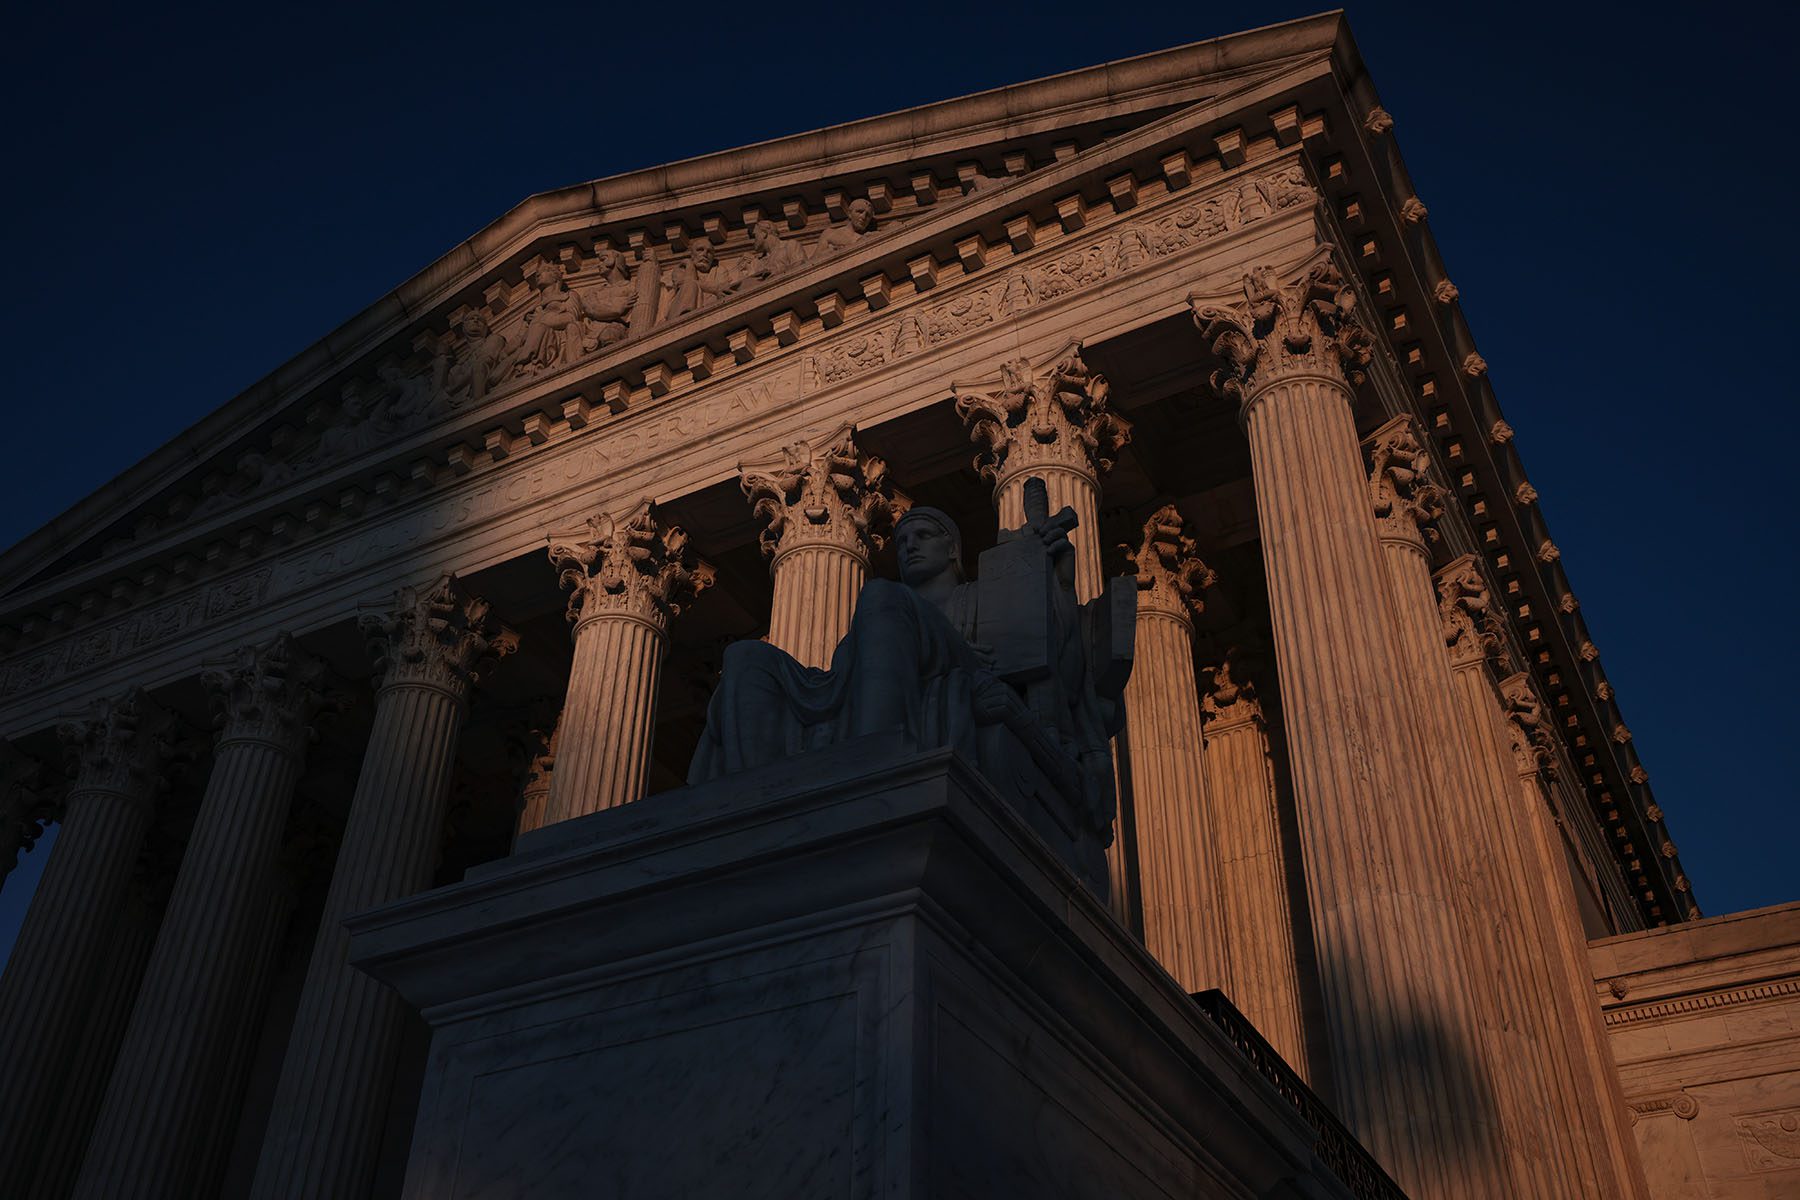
<point x="830" y="494"/>
<point x="1230" y="699"/>
<point x="1532" y="744"/>
<point x="634" y="567"/>
<point x="268" y="693"/>
<point x="1406" y="503"/>
<point x="1305" y="326"/>
<point x="1041" y="422"/>
<point x="1467" y="613"/>
<point x="1171" y="579"/>
<point x="120" y="746"/>
<point x="436" y="637"/>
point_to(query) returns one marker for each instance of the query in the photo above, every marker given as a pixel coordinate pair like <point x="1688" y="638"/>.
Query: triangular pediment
<point x="574" y="279"/>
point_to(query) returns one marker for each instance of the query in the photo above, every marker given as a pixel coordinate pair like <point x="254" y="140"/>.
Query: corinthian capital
<point x="268" y="693"/>
<point x="1533" y="745"/>
<point x="1230" y="699"/>
<point x="824" y="494"/>
<point x="631" y="566"/>
<point x="437" y="636"/>
<point x="1033" y="420"/>
<point x="121" y="745"/>
<point x="1466" y="612"/>
<point x="1284" y="325"/>
<point x="1170" y="576"/>
<point x="28" y="804"/>
<point x="1406" y="502"/>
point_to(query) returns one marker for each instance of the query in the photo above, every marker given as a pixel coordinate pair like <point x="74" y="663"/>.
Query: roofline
<point x="996" y="108"/>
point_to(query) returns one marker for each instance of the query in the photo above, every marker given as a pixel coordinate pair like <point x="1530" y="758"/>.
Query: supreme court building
<point x="466" y="570"/>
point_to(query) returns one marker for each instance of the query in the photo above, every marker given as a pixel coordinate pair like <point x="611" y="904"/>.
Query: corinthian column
<point x="540" y="767"/>
<point x="825" y="510"/>
<point x="117" y="754"/>
<point x="1053" y="423"/>
<point x="1542" y="1128"/>
<point x="1178" y="868"/>
<point x="1528" y="757"/>
<point x="627" y="577"/>
<point x="1405" y="1048"/>
<point x="1253" y="876"/>
<point x="326" y="1118"/>
<point x="168" y="1079"/>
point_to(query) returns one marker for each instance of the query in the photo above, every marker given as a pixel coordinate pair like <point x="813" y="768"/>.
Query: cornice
<point x="633" y="448"/>
<point x="1387" y="235"/>
<point x="738" y="336"/>
<point x="1110" y="91"/>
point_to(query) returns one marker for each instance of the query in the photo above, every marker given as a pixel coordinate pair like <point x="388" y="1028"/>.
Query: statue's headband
<point x="942" y="519"/>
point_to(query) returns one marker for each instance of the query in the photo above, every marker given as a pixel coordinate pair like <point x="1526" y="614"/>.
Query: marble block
<point x="857" y="973"/>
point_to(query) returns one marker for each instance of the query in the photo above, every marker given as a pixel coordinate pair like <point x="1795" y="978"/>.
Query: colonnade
<point x="1448" y="1023"/>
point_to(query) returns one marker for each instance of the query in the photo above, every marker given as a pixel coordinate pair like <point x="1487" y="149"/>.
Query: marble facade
<point x="447" y="595"/>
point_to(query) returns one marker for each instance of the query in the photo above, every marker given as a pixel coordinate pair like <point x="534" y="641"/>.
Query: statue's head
<point x="928" y="544"/>
<point x="703" y="257"/>
<point x="862" y="215"/>
<point x="607" y="260"/>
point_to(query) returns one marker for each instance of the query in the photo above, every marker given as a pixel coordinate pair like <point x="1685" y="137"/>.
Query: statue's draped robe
<point x="905" y="665"/>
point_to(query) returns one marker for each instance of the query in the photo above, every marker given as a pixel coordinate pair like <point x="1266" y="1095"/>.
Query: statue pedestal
<point x="856" y="973"/>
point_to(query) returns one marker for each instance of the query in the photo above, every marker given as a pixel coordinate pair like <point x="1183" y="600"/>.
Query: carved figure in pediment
<point x="858" y="223"/>
<point x="487" y="358"/>
<point x="695" y="283"/>
<point x="556" y="326"/>
<point x="253" y="473"/>
<point x="608" y="303"/>
<point x="773" y="256"/>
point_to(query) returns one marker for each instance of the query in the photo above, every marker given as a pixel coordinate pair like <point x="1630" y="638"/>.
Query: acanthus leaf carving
<point x="29" y="803"/>
<point x="1308" y="324"/>
<point x="269" y="692"/>
<point x="1031" y="420"/>
<point x="633" y="566"/>
<point x="828" y="494"/>
<point x="1533" y="744"/>
<point x="122" y="744"/>
<point x="1171" y="578"/>
<point x="1407" y="504"/>
<point x="1230" y="696"/>
<point x="436" y="636"/>
<point x="1470" y="628"/>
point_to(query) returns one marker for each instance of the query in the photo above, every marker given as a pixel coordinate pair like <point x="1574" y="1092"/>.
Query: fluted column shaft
<point x="165" y="1090"/>
<point x="49" y="977"/>
<point x="1178" y="872"/>
<point x="1406" y="1052"/>
<point x="825" y="508"/>
<point x="609" y="715"/>
<point x="103" y="1032"/>
<point x="1257" y="915"/>
<point x="326" y="1119"/>
<point x="1517" y="767"/>
<point x="815" y="596"/>
<point x="628" y="576"/>
<point x="1391" y="963"/>
<point x="1177" y="848"/>
<point x="1542" y="1129"/>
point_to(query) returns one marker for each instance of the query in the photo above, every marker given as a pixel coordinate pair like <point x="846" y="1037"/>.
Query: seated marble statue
<point x="1008" y="670"/>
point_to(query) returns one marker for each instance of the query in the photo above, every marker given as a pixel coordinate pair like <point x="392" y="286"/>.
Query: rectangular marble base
<point x="857" y="974"/>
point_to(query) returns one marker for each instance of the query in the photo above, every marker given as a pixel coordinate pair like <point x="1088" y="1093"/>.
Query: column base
<point x="856" y="972"/>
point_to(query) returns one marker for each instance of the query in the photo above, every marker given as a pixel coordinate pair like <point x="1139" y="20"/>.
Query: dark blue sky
<point x="197" y="197"/>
